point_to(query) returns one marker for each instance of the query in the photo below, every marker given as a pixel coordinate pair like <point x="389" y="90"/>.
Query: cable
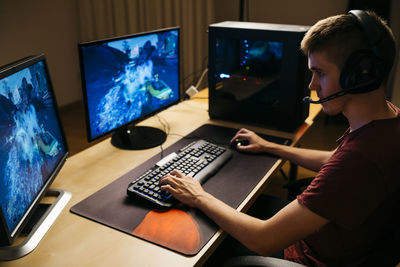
<point x="201" y="77"/>
<point x="162" y="152"/>
<point x="203" y="65"/>
<point x="192" y="90"/>
<point x="164" y="123"/>
<point x="166" y="129"/>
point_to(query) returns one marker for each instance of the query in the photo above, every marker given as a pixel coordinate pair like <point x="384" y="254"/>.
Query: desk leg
<point x="293" y="169"/>
<point x="291" y="187"/>
<point x="293" y="172"/>
<point x="292" y="191"/>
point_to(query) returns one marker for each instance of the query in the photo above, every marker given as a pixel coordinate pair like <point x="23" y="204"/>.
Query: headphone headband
<point x="369" y="27"/>
<point x="365" y="69"/>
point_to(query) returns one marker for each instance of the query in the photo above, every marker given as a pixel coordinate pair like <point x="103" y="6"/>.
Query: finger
<point x="244" y="148"/>
<point x="238" y="136"/>
<point x="173" y="181"/>
<point x="242" y="137"/>
<point x="241" y="131"/>
<point x="166" y="179"/>
<point x="234" y="138"/>
<point x="177" y="173"/>
<point x="168" y="188"/>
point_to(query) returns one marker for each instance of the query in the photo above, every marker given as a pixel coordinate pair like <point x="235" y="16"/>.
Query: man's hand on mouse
<point x="256" y="144"/>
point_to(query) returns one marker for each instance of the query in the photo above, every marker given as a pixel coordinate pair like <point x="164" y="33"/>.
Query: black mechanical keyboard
<point x="199" y="159"/>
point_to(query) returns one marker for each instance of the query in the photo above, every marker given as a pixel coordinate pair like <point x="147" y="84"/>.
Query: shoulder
<point x="374" y="138"/>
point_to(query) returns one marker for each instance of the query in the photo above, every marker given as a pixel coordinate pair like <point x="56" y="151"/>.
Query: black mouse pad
<point x="180" y="228"/>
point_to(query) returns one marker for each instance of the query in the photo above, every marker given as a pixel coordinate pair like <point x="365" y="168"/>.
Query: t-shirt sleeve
<point x="345" y="191"/>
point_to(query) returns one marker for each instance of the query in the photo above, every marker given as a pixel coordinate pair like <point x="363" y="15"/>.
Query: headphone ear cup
<point x="363" y="72"/>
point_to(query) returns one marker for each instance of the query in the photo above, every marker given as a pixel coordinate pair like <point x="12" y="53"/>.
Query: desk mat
<point x="180" y="228"/>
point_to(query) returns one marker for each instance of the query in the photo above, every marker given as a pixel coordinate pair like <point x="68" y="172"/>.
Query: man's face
<point x="325" y="81"/>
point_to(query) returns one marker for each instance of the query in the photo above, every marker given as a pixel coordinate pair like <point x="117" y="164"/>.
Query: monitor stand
<point x="138" y="137"/>
<point x="40" y="227"/>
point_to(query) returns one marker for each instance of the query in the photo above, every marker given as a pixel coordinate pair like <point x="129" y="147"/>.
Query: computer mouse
<point x="239" y="142"/>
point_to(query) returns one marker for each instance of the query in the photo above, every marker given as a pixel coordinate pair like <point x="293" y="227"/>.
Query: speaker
<point x="365" y="69"/>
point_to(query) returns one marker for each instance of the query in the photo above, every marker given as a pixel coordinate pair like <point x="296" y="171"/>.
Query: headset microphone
<point x="322" y="100"/>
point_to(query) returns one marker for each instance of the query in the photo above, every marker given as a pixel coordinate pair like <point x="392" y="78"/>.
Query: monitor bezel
<point x="8" y="70"/>
<point x="84" y="89"/>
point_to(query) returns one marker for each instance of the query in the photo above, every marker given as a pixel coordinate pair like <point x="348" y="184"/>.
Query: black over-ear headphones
<point x="365" y="69"/>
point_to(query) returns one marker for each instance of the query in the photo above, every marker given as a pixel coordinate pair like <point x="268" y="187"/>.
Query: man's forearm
<point x="292" y="223"/>
<point x="308" y="158"/>
<point x="244" y="228"/>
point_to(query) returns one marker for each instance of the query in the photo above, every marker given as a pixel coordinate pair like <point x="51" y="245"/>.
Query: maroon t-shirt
<point x="358" y="191"/>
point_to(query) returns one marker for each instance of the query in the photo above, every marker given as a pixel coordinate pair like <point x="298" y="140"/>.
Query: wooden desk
<point x="76" y="241"/>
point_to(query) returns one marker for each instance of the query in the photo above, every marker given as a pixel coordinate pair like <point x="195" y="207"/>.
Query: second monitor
<point x="125" y="80"/>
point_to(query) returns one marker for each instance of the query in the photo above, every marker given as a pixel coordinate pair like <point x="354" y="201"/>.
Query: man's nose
<point x="314" y="84"/>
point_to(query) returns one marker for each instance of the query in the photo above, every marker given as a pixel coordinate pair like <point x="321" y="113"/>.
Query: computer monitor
<point x="33" y="146"/>
<point x="257" y="74"/>
<point x="125" y="80"/>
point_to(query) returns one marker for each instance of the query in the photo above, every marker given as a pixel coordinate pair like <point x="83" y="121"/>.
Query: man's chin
<point x="330" y="112"/>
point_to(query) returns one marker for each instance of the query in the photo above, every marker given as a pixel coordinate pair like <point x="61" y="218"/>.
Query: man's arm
<point x="308" y="158"/>
<point x="292" y="223"/>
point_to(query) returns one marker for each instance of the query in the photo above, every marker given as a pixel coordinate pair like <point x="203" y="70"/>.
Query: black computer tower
<point x="257" y="74"/>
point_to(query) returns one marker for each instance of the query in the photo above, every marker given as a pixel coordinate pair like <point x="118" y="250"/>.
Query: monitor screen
<point x="33" y="146"/>
<point x="126" y="79"/>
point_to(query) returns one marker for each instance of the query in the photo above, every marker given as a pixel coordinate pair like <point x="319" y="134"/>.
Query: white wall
<point x="44" y="26"/>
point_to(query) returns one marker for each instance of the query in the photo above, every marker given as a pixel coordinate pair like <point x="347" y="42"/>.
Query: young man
<point x="354" y="199"/>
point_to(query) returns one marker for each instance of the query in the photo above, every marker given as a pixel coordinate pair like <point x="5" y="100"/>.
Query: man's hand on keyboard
<point x="183" y="188"/>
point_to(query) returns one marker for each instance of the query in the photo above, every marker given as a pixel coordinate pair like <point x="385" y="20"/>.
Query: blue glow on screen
<point x="31" y="140"/>
<point x="129" y="78"/>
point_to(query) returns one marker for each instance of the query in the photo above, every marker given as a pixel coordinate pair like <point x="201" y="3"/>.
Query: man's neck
<point x="362" y="109"/>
